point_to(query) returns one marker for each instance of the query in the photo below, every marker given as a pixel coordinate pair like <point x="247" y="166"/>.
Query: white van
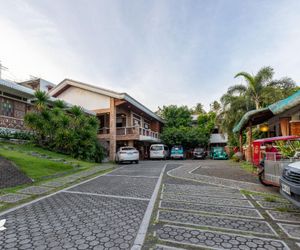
<point x="159" y="151"/>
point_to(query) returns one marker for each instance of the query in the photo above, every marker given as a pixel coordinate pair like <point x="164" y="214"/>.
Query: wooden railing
<point x="131" y="131"/>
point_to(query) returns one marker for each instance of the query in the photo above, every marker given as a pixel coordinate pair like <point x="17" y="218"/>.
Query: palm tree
<point x="257" y="84"/>
<point x="41" y="99"/>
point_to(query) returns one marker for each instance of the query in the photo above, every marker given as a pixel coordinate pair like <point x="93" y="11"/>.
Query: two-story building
<point x="123" y="120"/>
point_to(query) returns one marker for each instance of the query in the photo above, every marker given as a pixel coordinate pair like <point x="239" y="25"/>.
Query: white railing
<point x="148" y="132"/>
<point x="127" y="130"/>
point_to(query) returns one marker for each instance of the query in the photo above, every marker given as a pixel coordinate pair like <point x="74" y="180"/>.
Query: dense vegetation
<point x="180" y="129"/>
<point x="259" y="90"/>
<point x="64" y="130"/>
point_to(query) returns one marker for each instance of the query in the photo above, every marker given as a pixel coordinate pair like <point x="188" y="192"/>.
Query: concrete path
<point x="108" y="212"/>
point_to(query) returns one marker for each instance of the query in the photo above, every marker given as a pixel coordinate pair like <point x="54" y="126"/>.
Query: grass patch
<point x="40" y="168"/>
<point x="247" y="167"/>
<point x="29" y="148"/>
<point x="270" y="199"/>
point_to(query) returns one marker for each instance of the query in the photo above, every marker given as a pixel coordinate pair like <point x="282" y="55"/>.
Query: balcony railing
<point x="138" y="131"/>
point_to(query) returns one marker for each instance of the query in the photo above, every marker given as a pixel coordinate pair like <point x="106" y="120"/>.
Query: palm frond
<point x="239" y="88"/>
<point x="263" y="76"/>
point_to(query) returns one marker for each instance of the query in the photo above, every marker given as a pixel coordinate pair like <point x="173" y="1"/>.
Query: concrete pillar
<point x="250" y="141"/>
<point x="112" y="131"/>
<point x="241" y="141"/>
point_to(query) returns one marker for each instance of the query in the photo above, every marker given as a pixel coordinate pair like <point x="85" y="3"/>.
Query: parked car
<point x="199" y="153"/>
<point x="218" y="153"/>
<point x="177" y="152"/>
<point x="290" y="183"/>
<point x="159" y="151"/>
<point x="127" y="154"/>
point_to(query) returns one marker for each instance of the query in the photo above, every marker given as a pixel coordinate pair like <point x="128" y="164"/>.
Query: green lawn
<point x="40" y="168"/>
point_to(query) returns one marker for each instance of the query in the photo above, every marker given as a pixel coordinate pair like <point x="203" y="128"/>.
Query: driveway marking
<point x="141" y="235"/>
<point x="107" y="195"/>
<point x="133" y="176"/>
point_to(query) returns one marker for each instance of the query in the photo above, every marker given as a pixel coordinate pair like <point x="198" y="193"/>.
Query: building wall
<point x="12" y="113"/>
<point x="84" y="98"/>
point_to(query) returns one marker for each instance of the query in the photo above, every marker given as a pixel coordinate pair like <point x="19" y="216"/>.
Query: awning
<point x="259" y="116"/>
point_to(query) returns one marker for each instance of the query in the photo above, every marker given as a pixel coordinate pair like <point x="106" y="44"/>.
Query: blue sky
<point x="160" y="52"/>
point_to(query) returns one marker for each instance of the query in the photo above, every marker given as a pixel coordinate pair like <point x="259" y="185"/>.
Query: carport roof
<point x="261" y="115"/>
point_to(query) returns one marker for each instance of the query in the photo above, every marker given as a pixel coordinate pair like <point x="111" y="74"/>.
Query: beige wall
<point x="84" y="98"/>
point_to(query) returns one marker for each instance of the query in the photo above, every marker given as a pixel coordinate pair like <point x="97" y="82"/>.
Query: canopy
<point x="259" y="116"/>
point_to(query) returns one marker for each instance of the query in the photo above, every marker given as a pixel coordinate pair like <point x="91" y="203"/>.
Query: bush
<point x="11" y="134"/>
<point x="65" y="130"/>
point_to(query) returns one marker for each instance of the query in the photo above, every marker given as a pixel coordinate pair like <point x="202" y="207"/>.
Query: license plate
<point x="286" y="189"/>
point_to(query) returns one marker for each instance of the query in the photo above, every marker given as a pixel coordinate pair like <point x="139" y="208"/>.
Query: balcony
<point x="130" y="133"/>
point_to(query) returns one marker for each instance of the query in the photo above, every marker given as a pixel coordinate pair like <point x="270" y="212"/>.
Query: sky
<point x="160" y="52"/>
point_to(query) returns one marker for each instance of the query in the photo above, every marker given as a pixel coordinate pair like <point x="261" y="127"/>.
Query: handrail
<point x="130" y="130"/>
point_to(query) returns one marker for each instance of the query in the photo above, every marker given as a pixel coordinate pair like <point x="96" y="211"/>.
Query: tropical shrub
<point x="11" y="134"/>
<point x="65" y="130"/>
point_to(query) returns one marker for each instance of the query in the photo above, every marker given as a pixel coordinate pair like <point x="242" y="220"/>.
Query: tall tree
<point x="176" y="116"/>
<point x="260" y="91"/>
<point x="256" y="85"/>
<point x="198" y="109"/>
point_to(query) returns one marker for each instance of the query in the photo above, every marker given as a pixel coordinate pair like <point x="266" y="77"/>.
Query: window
<point x="146" y="124"/>
<point x="137" y="120"/>
<point x="121" y="120"/>
<point x="6" y="107"/>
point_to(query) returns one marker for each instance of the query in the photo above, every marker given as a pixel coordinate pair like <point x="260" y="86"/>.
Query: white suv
<point x="159" y="151"/>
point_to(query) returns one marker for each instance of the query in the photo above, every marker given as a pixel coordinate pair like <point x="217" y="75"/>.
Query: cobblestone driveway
<point x="103" y="213"/>
<point x="195" y="212"/>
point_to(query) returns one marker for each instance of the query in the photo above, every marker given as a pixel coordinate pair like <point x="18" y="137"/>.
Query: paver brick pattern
<point x="13" y="198"/>
<point x="276" y="205"/>
<point x="216" y="240"/>
<point x="67" y="220"/>
<point x="208" y="200"/>
<point x="263" y="198"/>
<point x="252" y="226"/>
<point x="119" y="185"/>
<point x="164" y="247"/>
<point x="138" y="171"/>
<point x="185" y="173"/>
<point x="284" y="216"/>
<point x="35" y="190"/>
<point x="215" y="209"/>
<point x="196" y="189"/>
<point x="293" y="231"/>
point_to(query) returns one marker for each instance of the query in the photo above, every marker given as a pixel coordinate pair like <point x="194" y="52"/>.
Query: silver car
<point x="127" y="154"/>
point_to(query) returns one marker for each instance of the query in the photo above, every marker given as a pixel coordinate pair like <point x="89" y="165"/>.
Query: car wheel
<point x="136" y="162"/>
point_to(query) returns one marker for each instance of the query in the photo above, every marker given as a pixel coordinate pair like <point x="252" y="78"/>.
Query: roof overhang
<point x="61" y="87"/>
<point x="253" y="117"/>
<point x="15" y="88"/>
<point x="259" y="116"/>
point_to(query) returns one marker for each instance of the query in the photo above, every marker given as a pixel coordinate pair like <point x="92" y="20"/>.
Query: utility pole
<point x="2" y="68"/>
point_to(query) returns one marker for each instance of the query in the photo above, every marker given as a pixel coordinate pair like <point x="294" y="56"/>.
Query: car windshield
<point x="218" y="150"/>
<point x="128" y="149"/>
<point x="177" y="148"/>
<point x="157" y="148"/>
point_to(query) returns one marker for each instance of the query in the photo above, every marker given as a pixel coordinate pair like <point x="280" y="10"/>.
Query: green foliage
<point x="68" y="131"/>
<point x="188" y="137"/>
<point x="206" y="122"/>
<point x="9" y="134"/>
<point x="179" y="130"/>
<point x="288" y="149"/>
<point x="176" y="116"/>
<point x="259" y="91"/>
<point x="198" y="109"/>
